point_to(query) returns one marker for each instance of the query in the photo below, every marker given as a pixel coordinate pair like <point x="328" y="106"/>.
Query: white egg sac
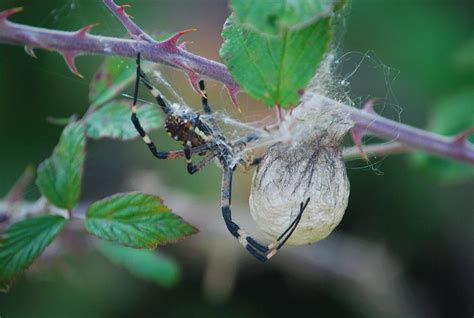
<point x="309" y="165"/>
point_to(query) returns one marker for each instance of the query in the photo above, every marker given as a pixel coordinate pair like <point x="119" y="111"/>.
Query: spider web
<point x="368" y="77"/>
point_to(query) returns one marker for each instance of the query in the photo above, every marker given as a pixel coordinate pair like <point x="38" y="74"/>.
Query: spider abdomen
<point x="180" y="127"/>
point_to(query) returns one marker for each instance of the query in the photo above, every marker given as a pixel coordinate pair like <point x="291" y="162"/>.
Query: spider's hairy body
<point x="179" y="127"/>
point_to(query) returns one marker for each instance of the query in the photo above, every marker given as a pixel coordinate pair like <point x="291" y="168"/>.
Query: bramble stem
<point x="159" y="52"/>
<point x="418" y="139"/>
<point x="373" y="150"/>
<point x="72" y="44"/>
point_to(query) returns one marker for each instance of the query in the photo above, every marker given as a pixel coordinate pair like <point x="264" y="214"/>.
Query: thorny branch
<point x="375" y="150"/>
<point x="169" y="52"/>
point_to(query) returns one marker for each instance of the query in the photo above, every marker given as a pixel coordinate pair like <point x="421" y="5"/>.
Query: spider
<point x="206" y="139"/>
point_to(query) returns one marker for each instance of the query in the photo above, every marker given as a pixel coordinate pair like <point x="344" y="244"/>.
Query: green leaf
<point x="111" y="78"/>
<point x="144" y="264"/>
<point x="275" y="69"/>
<point x="450" y="117"/>
<point x="59" y="176"/>
<point x="113" y="121"/>
<point x="23" y="242"/>
<point x="276" y="17"/>
<point x="136" y="220"/>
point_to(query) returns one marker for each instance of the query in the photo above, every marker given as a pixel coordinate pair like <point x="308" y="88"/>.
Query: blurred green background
<point x="404" y="248"/>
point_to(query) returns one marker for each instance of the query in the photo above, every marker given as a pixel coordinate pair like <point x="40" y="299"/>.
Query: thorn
<point x="192" y="76"/>
<point x="123" y="6"/>
<point x="356" y="134"/>
<point x="369" y="105"/>
<point x="121" y="9"/>
<point x="137" y="37"/>
<point x="183" y="45"/>
<point x="292" y="108"/>
<point x="461" y="139"/>
<point x="6" y="13"/>
<point x="173" y="40"/>
<point x="69" y="57"/>
<point x="85" y="30"/>
<point x="233" y="90"/>
<point x="30" y="51"/>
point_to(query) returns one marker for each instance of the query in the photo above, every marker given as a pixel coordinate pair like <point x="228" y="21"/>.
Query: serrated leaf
<point x="275" y="69"/>
<point x="23" y="242"/>
<point x="275" y="17"/>
<point x="59" y="176"/>
<point x="136" y="220"/>
<point x="113" y="121"/>
<point x="111" y="78"/>
<point x="144" y="264"/>
<point x="450" y="117"/>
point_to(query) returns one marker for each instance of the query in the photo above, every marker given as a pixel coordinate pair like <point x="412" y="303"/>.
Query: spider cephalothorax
<point x="204" y="137"/>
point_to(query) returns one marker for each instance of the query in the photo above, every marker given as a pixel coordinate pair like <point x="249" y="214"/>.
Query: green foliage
<point x="275" y="17"/>
<point x="450" y="117"/>
<point x="112" y="77"/>
<point x="274" y="48"/>
<point x="59" y="177"/>
<point x="23" y="242"/>
<point x="113" y="121"/>
<point x="275" y="69"/>
<point x="144" y="264"/>
<point x="464" y="59"/>
<point x="136" y="220"/>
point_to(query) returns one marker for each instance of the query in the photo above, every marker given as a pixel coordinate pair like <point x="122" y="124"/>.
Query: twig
<point x="381" y="149"/>
<point x="72" y="44"/>
<point x="134" y="30"/>
<point x="11" y="213"/>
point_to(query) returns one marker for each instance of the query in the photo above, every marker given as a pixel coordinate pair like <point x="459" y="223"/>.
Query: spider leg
<point x="234" y="229"/>
<point x="273" y="248"/>
<point x="187" y="150"/>
<point x="136" y="122"/>
<point x="281" y="240"/>
<point x="206" y="107"/>
<point x="246" y="139"/>
<point x="195" y="168"/>
<point x="259" y="251"/>
<point x="242" y="143"/>
<point x="153" y="90"/>
<point x="204" y="100"/>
